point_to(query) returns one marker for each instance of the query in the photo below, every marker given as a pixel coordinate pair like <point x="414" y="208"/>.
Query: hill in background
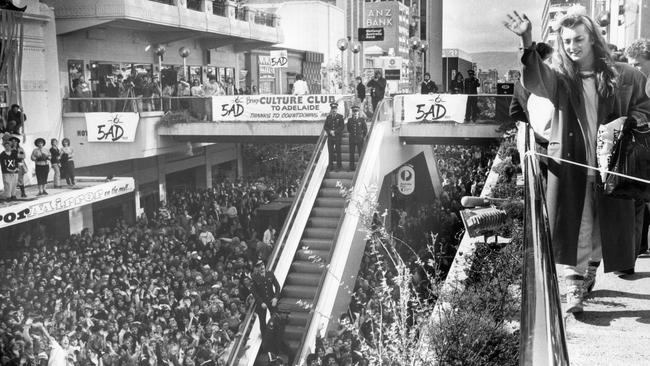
<point x="502" y="61"/>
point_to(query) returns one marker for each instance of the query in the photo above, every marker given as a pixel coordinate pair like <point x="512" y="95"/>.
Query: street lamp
<point x="184" y="52"/>
<point x="355" y="47"/>
<point x="414" y="43"/>
<point x="342" y="44"/>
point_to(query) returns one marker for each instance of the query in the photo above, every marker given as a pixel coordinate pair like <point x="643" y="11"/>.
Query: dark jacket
<point x="428" y="87"/>
<point x="566" y="184"/>
<point x="334" y="123"/>
<point x="265" y="288"/>
<point x="518" y="109"/>
<point x="377" y="88"/>
<point x="471" y="83"/>
<point x="457" y="87"/>
<point x="357" y="128"/>
<point x="361" y="91"/>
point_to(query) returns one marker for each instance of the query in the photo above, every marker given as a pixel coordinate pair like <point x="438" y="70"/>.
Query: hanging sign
<point x="406" y="180"/>
<point x="112" y="127"/>
<point x="279" y="59"/>
<point x="434" y="107"/>
<point x="265" y="108"/>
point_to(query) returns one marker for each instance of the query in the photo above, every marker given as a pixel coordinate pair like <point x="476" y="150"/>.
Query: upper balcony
<point x="219" y="20"/>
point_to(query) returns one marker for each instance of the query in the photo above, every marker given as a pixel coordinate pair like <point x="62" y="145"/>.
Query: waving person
<point x="587" y="88"/>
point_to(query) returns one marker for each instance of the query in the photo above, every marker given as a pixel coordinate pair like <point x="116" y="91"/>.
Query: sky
<point x="476" y="25"/>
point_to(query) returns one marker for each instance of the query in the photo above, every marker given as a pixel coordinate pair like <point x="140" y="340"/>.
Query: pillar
<point x="137" y="208"/>
<point x="162" y="178"/>
<point x="240" y="161"/>
<point x="434" y="38"/>
<point x="208" y="171"/>
<point x="81" y="218"/>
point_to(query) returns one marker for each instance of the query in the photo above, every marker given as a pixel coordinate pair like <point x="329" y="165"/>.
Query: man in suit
<point x="334" y="125"/>
<point x="358" y="129"/>
<point x="265" y="291"/>
<point x="361" y="90"/>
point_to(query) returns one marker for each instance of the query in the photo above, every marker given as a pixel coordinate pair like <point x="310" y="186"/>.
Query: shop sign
<point x="406" y="180"/>
<point x="371" y="34"/>
<point x="112" y="127"/>
<point x="266" y="71"/>
<point x="279" y="59"/>
<point x="47" y="205"/>
<point x="265" y="108"/>
<point x="434" y="107"/>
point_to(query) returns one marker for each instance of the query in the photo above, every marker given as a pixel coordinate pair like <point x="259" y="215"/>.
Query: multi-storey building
<point x="66" y="41"/>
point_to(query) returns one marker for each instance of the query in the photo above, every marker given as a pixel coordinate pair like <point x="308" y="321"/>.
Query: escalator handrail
<point x="338" y="229"/>
<point x="275" y="254"/>
<point x="540" y="344"/>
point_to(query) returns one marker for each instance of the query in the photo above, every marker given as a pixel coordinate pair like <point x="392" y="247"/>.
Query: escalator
<point x="303" y="253"/>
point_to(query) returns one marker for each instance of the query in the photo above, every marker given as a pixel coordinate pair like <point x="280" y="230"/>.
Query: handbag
<point x="630" y="156"/>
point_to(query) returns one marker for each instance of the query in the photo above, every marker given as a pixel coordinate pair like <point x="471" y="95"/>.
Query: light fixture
<point x="184" y="52"/>
<point x="355" y="47"/>
<point x="342" y="44"/>
<point x="414" y="43"/>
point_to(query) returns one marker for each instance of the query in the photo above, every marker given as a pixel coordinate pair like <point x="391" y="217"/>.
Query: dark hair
<point x="427" y="74"/>
<point x="298" y="76"/>
<point x="639" y="49"/>
<point x="606" y="74"/>
<point x="65" y="139"/>
<point x="544" y="50"/>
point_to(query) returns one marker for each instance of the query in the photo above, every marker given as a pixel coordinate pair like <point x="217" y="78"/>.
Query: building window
<point x="219" y="8"/>
<point x="168" y="2"/>
<point x="194" y="5"/>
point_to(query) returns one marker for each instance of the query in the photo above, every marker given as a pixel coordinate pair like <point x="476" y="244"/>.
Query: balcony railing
<point x="188" y="108"/>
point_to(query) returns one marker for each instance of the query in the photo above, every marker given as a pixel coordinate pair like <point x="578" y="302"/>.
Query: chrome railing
<point x="377" y="116"/>
<point x="543" y="340"/>
<point x="249" y="320"/>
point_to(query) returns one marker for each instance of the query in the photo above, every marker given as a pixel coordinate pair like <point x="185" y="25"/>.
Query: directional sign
<point x="279" y="59"/>
<point x="371" y="34"/>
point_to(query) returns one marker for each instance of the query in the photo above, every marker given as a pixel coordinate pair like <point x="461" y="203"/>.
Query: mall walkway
<point x="614" y="328"/>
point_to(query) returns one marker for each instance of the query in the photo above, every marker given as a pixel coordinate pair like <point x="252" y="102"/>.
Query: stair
<point x="313" y="255"/>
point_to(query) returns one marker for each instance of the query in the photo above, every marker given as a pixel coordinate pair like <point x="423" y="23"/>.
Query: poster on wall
<point x="112" y="127"/>
<point x="313" y="107"/>
<point x="434" y="107"/>
<point x="406" y="180"/>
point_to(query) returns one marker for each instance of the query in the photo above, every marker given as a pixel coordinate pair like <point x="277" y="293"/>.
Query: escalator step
<point x="293" y="345"/>
<point x="330" y="202"/>
<point x="324" y="222"/>
<point x="319" y="233"/>
<point x="299" y="292"/>
<point x="293" y="332"/>
<point x="316" y="244"/>
<point x="326" y="212"/>
<point x="307" y="267"/>
<point x="310" y="279"/>
<point x="331" y="183"/>
<point x="298" y="318"/>
<point x="293" y="304"/>
<point x="339" y="175"/>
<point x="330" y="193"/>
<point x="310" y="255"/>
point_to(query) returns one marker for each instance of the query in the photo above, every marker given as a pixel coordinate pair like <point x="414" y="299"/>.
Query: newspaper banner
<point x="112" y="127"/>
<point x="434" y="107"/>
<point x="267" y="108"/>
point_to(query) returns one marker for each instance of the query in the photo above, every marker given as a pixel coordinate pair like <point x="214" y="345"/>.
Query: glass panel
<point x="75" y="70"/>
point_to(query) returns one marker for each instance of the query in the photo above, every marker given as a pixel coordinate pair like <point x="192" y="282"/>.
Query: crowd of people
<point x="170" y="289"/>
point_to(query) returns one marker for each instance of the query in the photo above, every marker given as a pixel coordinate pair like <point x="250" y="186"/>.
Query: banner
<point x="434" y="107"/>
<point x="265" y="70"/>
<point x="266" y="108"/>
<point x="279" y="59"/>
<point x="24" y="211"/>
<point x="112" y="127"/>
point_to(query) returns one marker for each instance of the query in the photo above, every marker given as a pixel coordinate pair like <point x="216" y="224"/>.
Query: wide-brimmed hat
<point x="40" y="139"/>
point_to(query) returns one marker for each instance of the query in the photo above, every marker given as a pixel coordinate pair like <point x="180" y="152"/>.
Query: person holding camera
<point x="377" y="88"/>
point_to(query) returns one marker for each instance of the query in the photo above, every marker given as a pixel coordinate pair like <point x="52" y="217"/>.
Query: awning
<point x="89" y="190"/>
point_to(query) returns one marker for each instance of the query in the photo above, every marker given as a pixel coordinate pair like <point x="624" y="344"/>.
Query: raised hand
<point x="518" y="24"/>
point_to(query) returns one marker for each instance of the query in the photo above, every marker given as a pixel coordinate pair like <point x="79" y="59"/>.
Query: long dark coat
<point x="566" y="183"/>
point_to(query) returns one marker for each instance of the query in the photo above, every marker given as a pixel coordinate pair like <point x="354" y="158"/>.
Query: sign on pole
<point x="406" y="180"/>
<point x="279" y="59"/>
<point x="371" y="34"/>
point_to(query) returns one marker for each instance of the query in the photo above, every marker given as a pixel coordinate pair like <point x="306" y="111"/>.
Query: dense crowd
<point x="170" y="289"/>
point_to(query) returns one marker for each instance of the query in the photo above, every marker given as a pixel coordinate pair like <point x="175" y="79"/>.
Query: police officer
<point x="265" y="291"/>
<point x="471" y="86"/>
<point x="334" y="125"/>
<point x="358" y="129"/>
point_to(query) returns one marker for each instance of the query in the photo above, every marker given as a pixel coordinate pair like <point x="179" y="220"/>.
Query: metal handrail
<point x="543" y="340"/>
<point x="275" y="255"/>
<point x="338" y="227"/>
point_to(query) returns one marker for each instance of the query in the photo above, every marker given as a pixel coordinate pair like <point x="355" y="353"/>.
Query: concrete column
<point x="208" y="171"/>
<point x="240" y="161"/>
<point x="206" y="6"/>
<point x="137" y="207"/>
<point x="230" y="9"/>
<point x="81" y="218"/>
<point x="434" y="38"/>
<point x="162" y="178"/>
